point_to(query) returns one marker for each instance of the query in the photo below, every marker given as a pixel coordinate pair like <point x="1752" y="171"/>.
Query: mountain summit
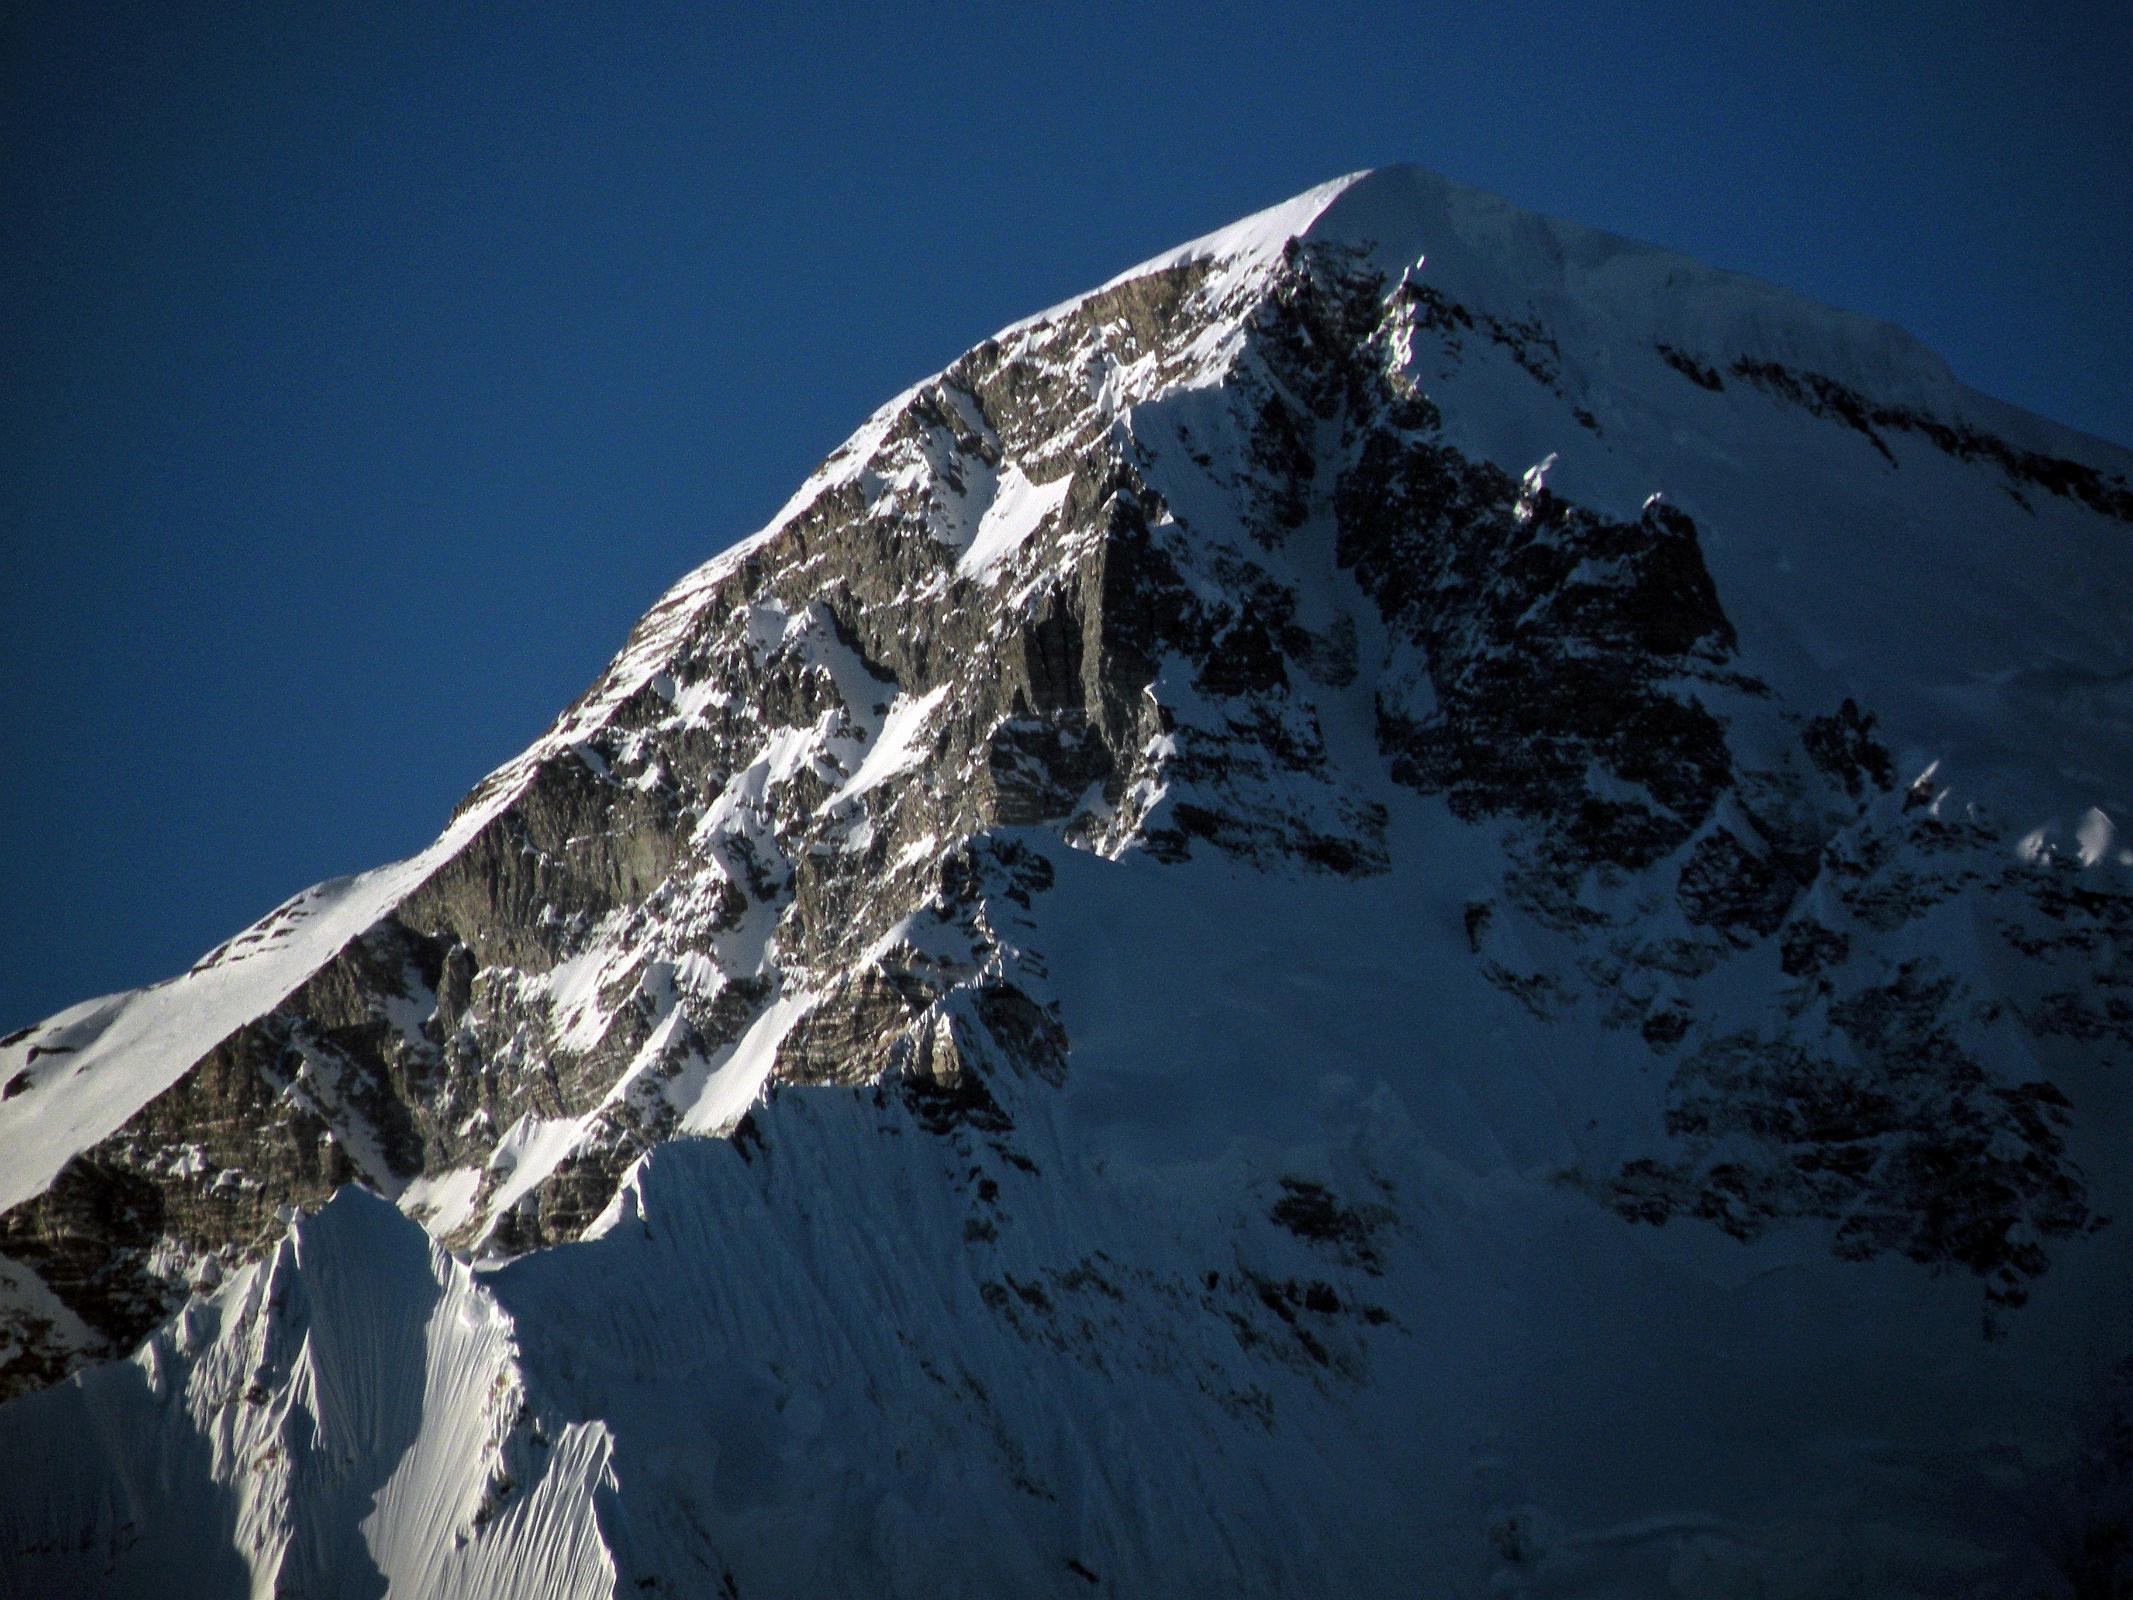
<point x="1418" y="891"/>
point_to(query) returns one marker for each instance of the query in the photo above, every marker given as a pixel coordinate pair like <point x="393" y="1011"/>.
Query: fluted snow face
<point x="1299" y="905"/>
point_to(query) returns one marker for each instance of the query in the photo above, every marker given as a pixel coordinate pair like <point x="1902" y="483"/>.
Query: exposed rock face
<point x="1218" y="574"/>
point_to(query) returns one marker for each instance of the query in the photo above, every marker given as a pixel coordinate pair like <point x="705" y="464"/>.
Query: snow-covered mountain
<point x="1418" y="902"/>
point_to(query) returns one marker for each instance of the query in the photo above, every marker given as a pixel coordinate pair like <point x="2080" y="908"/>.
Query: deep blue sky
<point x="367" y="375"/>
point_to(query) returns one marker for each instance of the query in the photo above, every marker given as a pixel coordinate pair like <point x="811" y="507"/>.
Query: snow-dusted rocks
<point x="1274" y="938"/>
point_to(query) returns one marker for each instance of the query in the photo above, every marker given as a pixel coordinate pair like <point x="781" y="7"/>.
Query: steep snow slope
<point x="348" y="1409"/>
<point x="1418" y="892"/>
<point x="1284" y="1306"/>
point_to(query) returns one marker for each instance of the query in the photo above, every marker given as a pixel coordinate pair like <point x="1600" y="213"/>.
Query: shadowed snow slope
<point x="1419" y="901"/>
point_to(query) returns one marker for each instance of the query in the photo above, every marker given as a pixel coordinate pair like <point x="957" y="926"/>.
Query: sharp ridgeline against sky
<point x="367" y="375"/>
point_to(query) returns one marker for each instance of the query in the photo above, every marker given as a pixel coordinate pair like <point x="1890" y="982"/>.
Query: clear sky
<point x="370" y="369"/>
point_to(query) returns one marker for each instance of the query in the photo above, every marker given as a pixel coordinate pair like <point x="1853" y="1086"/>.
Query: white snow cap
<point x="2092" y="838"/>
<point x="1483" y="251"/>
<point x="1486" y="253"/>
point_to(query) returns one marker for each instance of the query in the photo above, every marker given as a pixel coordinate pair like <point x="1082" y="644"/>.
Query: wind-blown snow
<point x="1237" y="251"/>
<point x="96" y="1064"/>
<point x="896" y="748"/>
<point x="1018" y="508"/>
